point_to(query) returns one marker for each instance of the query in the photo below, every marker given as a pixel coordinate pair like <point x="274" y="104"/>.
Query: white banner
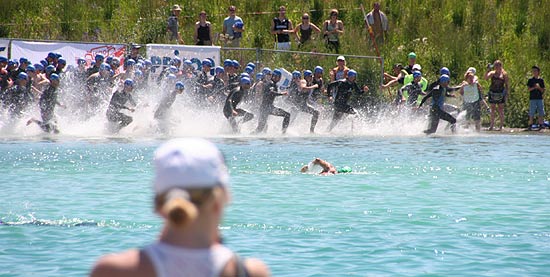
<point x="162" y="54"/>
<point x="4" y="43"/>
<point x="71" y="51"/>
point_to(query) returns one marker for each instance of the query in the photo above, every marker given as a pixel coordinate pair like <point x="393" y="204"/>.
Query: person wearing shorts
<point x="535" y="86"/>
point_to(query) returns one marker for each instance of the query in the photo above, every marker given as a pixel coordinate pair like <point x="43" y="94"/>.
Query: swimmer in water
<point x="327" y="168"/>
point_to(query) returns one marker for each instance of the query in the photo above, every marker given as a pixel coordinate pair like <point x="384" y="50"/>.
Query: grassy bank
<point x="456" y="34"/>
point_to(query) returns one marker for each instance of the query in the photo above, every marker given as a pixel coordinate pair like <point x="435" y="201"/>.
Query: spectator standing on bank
<point x="535" y="86"/>
<point x="173" y="26"/>
<point x="379" y="23"/>
<point x="498" y="90"/>
<point x="203" y="30"/>
<point x="281" y="27"/>
<point x="232" y="31"/>
<point x="332" y="29"/>
<point x="191" y="187"/>
<point x="305" y="29"/>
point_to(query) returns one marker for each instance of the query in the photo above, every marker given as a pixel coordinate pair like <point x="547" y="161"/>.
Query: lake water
<point x="466" y="205"/>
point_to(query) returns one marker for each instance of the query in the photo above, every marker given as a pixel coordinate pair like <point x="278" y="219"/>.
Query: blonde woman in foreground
<point x="191" y="190"/>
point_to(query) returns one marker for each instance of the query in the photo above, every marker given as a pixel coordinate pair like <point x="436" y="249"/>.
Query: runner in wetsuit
<point x="344" y="89"/>
<point x="317" y="80"/>
<point x="47" y="103"/>
<point x="267" y="108"/>
<point x="438" y="99"/>
<point x="18" y="97"/>
<point x="300" y="98"/>
<point x="409" y="93"/>
<point x="217" y="94"/>
<point x="168" y="100"/>
<point x="118" y="103"/>
<point x="230" y="110"/>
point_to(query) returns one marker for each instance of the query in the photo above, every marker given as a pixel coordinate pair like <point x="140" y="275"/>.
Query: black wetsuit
<point x="17" y="99"/>
<point x="299" y="101"/>
<point x="414" y="90"/>
<point x="47" y="103"/>
<point x="218" y="91"/>
<point x="267" y="108"/>
<point x="201" y="92"/>
<point x="317" y="93"/>
<point x="438" y="94"/>
<point x="233" y="99"/>
<point x="118" y="102"/>
<point x="165" y="104"/>
<point x="344" y="90"/>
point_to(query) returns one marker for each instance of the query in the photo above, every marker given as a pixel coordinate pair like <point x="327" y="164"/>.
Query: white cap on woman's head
<point x="189" y="163"/>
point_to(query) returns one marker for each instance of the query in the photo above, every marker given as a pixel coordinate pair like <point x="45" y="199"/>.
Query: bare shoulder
<point x="130" y="263"/>
<point x="254" y="268"/>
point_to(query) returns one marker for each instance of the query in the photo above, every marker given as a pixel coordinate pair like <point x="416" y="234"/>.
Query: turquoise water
<point x="437" y="206"/>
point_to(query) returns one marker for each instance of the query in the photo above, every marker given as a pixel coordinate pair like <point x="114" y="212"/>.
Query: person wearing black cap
<point x="267" y="108"/>
<point x="230" y="110"/>
<point x="343" y="90"/>
<point x="118" y="103"/>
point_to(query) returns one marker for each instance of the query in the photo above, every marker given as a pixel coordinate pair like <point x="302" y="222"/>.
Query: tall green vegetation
<point x="456" y="34"/>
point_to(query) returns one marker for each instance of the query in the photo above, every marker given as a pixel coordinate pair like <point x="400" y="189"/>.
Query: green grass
<point x="458" y="34"/>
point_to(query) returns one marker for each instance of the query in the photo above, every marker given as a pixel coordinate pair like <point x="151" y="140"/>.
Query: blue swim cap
<point x="173" y="69"/>
<point x="244" y="74"/>
<point x="54" y="77"/>
<point x="176" y="60"/>
<point x="259" y="75"/>
<point x="52" y="55"/>
<point x="235" y="63"/>
<point x="352" y="73"/>
<point x="318" y="69"/>
<point x="105" y="66"/>
<point x="129" y="62"/>
<point x="129" y="82"/>
<point x="248" y="69"/>
<point x="23" y="60"/>
<point x="444" y="78"/>
<point x="3" y="59"/>
<point x="417" y="74"/>
<point x="171" y="76"/>
<point x="50" y="68"/>
<point x="245" y="80"/>
<point x="266" y="71"/>
<point x="44" y="63"/>
<point x="31" y="68"/>
<point x="206" y="62"/>
<point x="296" y="74"/>
<point x="308" y="73"/>
<point x="109" y="59"/>
<point x="188" y="62"/>
<point x="22" y="75"/>
<point x="277" y="72"/>
<point x="251" y="65"/>
<point x="62" y="61"/>
<point x="219" y="69"/>
<point x="445" y="71"/>
<point x="138" y="73"/>
<point x="80" y="61"/>
<point x="239" y="24"/>
<point x="148" y="63"/>
<point x="97" y="57"/>
<point x="39" y="67"/>
<point x="227" y="62"/>
<point x="179" y="85"/>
